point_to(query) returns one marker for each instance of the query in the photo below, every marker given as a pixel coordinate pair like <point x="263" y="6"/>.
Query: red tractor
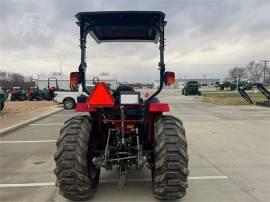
<point x="122" y="130"/>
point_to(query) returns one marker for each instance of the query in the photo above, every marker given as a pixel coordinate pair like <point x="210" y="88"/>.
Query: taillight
<point x="55" y="94"/>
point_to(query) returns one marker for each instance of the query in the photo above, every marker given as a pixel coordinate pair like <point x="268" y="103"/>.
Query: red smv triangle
<point x="100" y="96"/>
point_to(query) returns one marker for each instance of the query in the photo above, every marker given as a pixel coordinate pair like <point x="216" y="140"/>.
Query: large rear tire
<point x="170" y="171"/>
<point x="77" y="177"/>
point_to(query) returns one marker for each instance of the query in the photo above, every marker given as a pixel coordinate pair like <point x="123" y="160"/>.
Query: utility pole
<point x="237" y="80"/>
<point x="264" y="69"/>
<point x="61" y="67"/>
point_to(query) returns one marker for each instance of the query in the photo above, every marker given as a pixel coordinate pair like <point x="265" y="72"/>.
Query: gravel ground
<point x="18" y="111"/>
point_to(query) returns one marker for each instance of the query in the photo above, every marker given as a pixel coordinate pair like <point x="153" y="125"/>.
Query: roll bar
<point x="56" y="82"/>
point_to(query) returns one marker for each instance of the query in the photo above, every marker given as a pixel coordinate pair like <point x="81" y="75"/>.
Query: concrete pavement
<point x="231" y="144"/>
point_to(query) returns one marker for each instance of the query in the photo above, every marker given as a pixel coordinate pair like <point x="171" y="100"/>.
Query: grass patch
<point x="230" y="98"/>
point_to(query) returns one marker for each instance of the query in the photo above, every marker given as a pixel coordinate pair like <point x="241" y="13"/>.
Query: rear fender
<point x="155" y="109"/>
<point x="159" y="107"/>
<point x="84" y="107"/>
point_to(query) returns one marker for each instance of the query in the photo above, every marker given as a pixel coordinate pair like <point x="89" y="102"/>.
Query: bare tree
<point x="3" y="76"/>
<point x="16" y="79"/>
<point x="3" y="79"/>
<point x="8" y="80"/>
<point x="237" y="73"/>
<point x="254" y="71"/>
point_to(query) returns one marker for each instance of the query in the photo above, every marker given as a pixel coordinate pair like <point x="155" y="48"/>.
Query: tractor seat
<point x="121" y="89"/>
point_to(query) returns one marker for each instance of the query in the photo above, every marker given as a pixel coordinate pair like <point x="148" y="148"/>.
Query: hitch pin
<point x="107" y="145"/>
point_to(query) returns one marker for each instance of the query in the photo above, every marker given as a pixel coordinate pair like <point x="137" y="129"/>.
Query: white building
<point x="204" y="83"/>
<point x="179" y="83"/>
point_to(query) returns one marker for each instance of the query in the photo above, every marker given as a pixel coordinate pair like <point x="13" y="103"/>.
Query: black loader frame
<point x="261" y="88"/>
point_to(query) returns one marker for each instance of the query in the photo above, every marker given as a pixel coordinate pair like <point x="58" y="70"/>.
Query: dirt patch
<point x="19" y="111"/>
<point x="15" y="107"/>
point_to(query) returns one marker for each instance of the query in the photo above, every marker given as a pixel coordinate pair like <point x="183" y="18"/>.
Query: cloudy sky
<point x="203" y="37"/>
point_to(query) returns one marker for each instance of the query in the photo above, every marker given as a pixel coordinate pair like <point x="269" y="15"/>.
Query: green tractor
<point x="226" y="85"/>
<point x="34" y="93"/>
<point x="191" y="88"/>
<point x="232" y="86"/>
<point x="17" y="94"/>
<point x="3" y="98"/>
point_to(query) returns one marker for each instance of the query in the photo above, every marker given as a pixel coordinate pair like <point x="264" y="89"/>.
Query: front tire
<point x="77" y="177"/>
<point x="170" y="171"/>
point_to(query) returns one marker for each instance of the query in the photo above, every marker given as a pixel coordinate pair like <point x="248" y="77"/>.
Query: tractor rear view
<point x="35" y="94"/>
<point x="191" y="88"/>
<point x="3" y="98"/>
<point x="48" y="93"/>
<point x="17" y="94"/>
<point x="122" y="130"/>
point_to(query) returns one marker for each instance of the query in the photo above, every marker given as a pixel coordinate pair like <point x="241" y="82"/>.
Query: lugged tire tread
<point x="71" y="160"/>
<point x="171" y="159"/>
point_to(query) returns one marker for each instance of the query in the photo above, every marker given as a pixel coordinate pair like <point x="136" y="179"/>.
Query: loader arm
<point x="263" y="90"/>
<point x="242" y="92"/>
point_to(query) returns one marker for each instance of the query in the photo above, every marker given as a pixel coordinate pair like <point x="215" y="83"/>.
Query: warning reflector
<point x="100" y="96"/>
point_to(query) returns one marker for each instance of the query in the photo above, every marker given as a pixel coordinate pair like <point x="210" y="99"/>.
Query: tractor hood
<point x="112" y="26"/>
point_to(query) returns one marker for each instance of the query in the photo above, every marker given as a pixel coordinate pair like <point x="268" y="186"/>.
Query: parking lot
<point x="228" y="148"/>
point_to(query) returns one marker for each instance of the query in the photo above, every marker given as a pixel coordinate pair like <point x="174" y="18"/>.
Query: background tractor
<point x="231" y="86"/>
<point x="3" y="98"/>
<point x="191" y="88"/>
<point x="122" y="130"/>
<point x="49" y="92"/>
<point x="17" y="94"/>
<point x="34" y="93"/>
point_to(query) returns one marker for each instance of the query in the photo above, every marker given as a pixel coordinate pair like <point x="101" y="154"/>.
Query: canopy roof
<point x="123" y="25"/>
